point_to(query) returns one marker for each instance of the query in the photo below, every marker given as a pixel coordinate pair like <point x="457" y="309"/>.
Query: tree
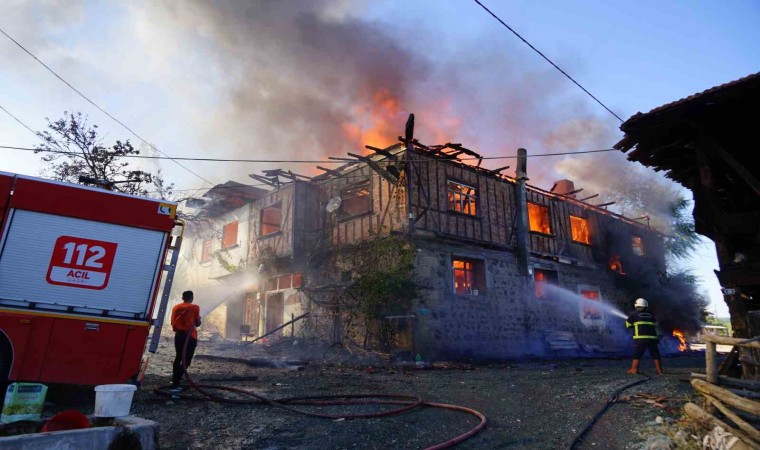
<point x="75" y="153"/>
<point x="684" y="238"/>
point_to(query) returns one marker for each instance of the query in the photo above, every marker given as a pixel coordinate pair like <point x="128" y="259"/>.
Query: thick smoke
<point x="672" y="296"/>
<point x="304" y="80"/>
<point x="309" y="80"/>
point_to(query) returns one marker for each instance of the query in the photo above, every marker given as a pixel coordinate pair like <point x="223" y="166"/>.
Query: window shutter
<point x="230" y="234"/>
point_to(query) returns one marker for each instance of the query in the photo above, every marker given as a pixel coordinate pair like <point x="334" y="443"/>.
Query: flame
<point x="538" y="218"/>
<point x="682" y="345"/>
<point x="376" y="123"/>
<point x="378" y="117"/>
<point x="579" y="230"/>
<point x="616" y="265"/>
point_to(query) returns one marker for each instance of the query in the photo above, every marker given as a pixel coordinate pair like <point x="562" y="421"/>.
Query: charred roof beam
<point x="382" y="152"/>
<point x="271" y="181"/>
<point x="376" y="167"/>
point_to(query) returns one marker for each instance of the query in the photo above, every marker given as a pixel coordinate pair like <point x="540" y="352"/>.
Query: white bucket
<point x="113" y="400"/>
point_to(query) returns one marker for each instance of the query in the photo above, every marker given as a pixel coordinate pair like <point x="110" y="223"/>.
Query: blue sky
<point x="310" y="79"/>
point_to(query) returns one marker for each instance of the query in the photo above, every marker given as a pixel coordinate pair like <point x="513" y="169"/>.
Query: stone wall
<point x="507" y="321"/>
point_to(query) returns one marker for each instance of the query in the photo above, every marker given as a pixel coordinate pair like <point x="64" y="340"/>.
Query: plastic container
<point x="23" y="401"/>
<point x="113" y="400"/>
<point x="66" y="420"/>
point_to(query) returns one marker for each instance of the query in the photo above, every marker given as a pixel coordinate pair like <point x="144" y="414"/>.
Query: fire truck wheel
<point x="6" y="357"/>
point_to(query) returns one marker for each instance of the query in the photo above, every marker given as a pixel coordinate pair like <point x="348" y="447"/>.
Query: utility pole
<point x="521" y="212"/>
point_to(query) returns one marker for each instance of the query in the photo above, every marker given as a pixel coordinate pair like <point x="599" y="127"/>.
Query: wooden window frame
<point x="548" y="215"/>
<point x="348" y="197"/>
<point x="475" y="282"/>
<point x="207" y="249"/>
<point x="637" y="245"/>
<point x="588" y="311"/>
<point x="572" y="227"/>
<point x="541" y="277"/>
<point x="459" y="205"/>
<point x="262" y="224"/>
<point x="228" y="239"/>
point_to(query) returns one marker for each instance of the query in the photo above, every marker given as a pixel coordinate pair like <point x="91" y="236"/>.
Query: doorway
<point x="275" y="309"/>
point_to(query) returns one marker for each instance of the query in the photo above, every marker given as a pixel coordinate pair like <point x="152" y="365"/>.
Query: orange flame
<point x="378" y="117"/>
<point x="682" y="346"/>
<point x="375" y="124"/>
<point x="616" y="265"/>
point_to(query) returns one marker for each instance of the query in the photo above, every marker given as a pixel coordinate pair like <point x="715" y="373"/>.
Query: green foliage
<point x="710" y="319"/>
<point x="384" y="271"/>
<point x="684" y="238"/>
<point x="227" y="265"/>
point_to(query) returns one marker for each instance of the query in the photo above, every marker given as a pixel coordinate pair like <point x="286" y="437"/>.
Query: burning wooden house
<point x="420" y="248"/>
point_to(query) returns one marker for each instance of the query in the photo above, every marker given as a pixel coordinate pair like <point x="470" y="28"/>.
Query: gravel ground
<point x="529" y="405"/>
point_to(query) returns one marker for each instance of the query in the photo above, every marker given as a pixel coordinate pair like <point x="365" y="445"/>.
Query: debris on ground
<point x="531" y="405"/>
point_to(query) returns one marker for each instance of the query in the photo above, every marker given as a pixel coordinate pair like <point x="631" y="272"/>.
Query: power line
<point x="18" y="120"/>
<point x="30" y="129"/>
<point x="101" y="109"/>
<point x="306" y="161"/>
<point x="549" y="60"/>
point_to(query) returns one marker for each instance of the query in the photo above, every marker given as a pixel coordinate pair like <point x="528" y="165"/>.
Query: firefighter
<point x="185" y="318"/>
<point x="644" y="335"/>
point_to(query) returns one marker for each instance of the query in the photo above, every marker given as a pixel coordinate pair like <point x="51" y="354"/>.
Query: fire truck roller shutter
<point x="91" y="266"/>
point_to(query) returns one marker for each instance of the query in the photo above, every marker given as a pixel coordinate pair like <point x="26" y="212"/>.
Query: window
<point x="637" y="246"/>
<point x="285" y="281"/>
<point x="538" y="218"/>
<point x="615" y="264"/>
<point x="270" y="219"/>
<point x="206" y="251"/>
<point x="297" y="280"/>
<point x="542" y="278"/>
<point x="356" y="199"/>
<point x="230" y="234"/>
<point x="589" y="311"/>
<point x="462" y="198"/>
<point x="579" y="230"/>
<point x="469" y="276"/>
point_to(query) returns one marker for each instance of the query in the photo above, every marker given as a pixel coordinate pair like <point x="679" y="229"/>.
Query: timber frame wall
<point x="494" y="224"/>
<point x="418" y="203"/>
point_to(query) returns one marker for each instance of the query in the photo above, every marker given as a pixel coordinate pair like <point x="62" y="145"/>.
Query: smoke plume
<point x="309" y="80"/>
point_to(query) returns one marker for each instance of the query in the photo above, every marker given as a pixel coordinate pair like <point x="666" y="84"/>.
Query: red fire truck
<point x="80" y="272"/>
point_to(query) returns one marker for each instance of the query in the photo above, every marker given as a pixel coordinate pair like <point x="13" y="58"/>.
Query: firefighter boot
<point x="658" y="366"/>
<point x="634" y="367"/>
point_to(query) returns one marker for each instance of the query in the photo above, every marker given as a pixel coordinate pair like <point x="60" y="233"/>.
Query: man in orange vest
<point x="185" y="317"/>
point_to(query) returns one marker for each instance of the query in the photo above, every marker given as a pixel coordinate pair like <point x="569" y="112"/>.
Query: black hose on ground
<point x="407" y="403"/>
<point x="612" y="399"/>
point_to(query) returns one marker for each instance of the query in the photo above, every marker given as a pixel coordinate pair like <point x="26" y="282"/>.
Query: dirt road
<point x="529" y="405"/>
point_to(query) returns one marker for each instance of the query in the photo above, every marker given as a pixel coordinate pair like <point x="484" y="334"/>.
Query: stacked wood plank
<point x="728" y="402"/>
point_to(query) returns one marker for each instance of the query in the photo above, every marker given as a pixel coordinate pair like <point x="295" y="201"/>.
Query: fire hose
<point x="405" y="402"/>
<point x="610" y="400"/>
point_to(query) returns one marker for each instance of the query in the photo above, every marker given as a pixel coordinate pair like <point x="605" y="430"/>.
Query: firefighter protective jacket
<point x="643" y="323"/>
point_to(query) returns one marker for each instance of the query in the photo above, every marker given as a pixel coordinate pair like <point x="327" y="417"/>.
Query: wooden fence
<point x="727" y="399"/>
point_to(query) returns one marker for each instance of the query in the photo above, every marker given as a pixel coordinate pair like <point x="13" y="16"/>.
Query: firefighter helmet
<point x="641" y="303"/>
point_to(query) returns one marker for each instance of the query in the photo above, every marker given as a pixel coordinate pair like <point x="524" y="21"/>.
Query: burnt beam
<point x="497" y="171"/>
<point x="376" y="167"/>
<point x="381" y="151"/>
<point x="273" y="181"/>
<point x="330" y="171"/>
